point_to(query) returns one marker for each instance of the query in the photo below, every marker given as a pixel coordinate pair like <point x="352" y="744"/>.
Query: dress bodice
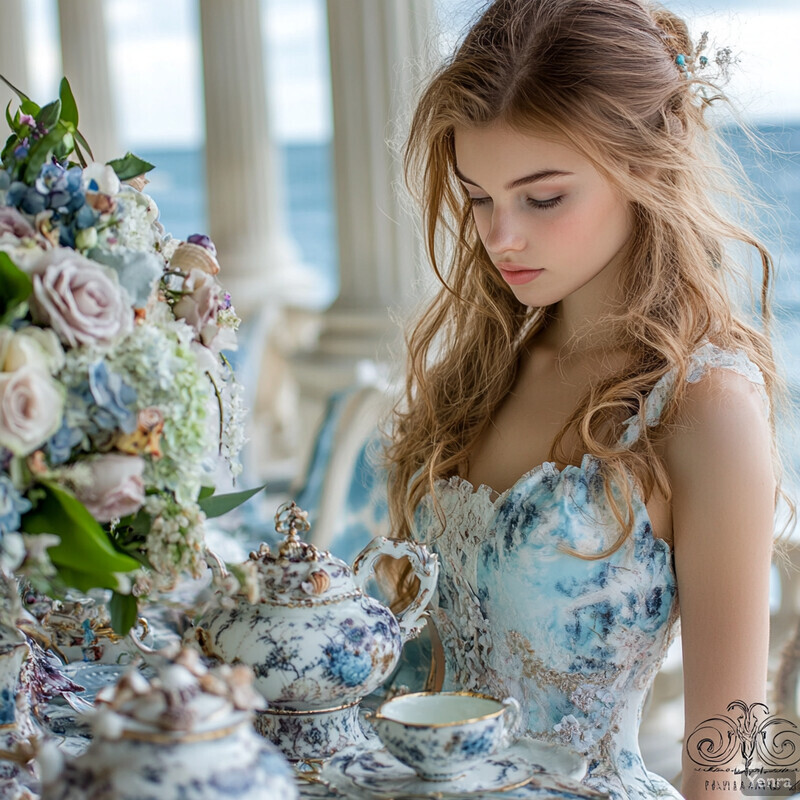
<point x="577" y="641"/>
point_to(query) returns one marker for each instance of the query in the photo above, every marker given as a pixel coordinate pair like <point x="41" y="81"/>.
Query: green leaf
<point x="64" y="147"/>
<point x="9" y="118"/>
<point x="15" y="288"/>
<point x="124" y="612"/>
<point x="129" y="166"/>
<point x="29" y="107"/>
<point x="77" y="579"/>
<point x="10" y="144"/>
<point x="221" y="504"/>
<point x="79" y="139"/>
<point x="205" y="491"/>
<point x="69" y="108"/>
<point x="84" y="545"/>
<point x="49" y="115"/>
<point x="40" y="152"/>
<point x="22" y="96"/>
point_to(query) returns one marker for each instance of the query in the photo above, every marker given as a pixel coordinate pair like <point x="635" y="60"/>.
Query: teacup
<point x="440" y="735"/>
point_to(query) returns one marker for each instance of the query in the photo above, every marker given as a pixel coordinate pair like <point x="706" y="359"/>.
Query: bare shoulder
<point x="719" y="454"/>
<point x="723" y="413"/>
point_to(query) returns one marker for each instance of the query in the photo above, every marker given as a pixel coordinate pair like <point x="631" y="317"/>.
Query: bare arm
<point x="721" y="470"/>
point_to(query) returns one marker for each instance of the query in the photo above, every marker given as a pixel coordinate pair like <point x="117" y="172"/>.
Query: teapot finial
<point x="288" y="520"/>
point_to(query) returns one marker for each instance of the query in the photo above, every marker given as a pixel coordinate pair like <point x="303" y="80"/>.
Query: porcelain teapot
<point x="187" y="734"/>
<point x="313" y="637"/>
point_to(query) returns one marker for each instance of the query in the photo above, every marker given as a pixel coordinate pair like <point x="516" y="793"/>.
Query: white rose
<point x="25" y="253"/>
<point x="37" y="347"/>
<point x="116" y="488"/>
<point x="80" y="299"/>
<point x="48" y="341"/>
<point x="31" y="407"/>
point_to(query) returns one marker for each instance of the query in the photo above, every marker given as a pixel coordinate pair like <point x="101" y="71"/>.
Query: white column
<point x="379" y="53"/>
<point x="84" y="55"/>
<point x="242" y="175"/>
<point x="13" y="55"/>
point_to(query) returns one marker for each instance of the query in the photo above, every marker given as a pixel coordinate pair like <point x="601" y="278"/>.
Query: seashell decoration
<point x="189" y="256"/>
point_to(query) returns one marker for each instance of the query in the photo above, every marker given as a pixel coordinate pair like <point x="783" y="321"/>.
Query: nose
<point x="504" y="234"/>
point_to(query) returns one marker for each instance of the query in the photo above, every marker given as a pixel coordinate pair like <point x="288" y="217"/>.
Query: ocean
<point x="177" y="185"/>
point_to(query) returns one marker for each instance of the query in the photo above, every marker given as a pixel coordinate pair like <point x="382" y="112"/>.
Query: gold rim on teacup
<point x="377" y="714"/>
<point x="306" y="712"/>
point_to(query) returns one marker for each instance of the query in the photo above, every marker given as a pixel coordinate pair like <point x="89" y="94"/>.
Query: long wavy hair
<point x="622" y="83"/>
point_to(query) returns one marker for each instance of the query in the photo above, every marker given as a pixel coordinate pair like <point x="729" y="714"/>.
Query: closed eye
<point x="541" y="205"/>
<point x="545" y="204"/>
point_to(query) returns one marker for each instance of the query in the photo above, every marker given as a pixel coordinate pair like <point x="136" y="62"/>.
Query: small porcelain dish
<point x="440" y="735"/>
<point x="550" y="769"/>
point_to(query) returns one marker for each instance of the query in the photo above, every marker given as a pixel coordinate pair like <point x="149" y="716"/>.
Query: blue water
<point x="178" y="186"/>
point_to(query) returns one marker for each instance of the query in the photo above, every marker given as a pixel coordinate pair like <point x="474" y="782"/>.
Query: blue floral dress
<point x="578" y="642"/>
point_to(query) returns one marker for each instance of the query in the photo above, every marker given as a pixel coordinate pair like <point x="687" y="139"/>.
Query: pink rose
<point x="200" y="303"/>
<point x="31" y="407"/>
<point x="116" y="489"/>
<point x="11" y="221"/>
<point x="81" y="300"/>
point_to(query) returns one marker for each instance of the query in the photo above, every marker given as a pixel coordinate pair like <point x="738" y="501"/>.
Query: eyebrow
<point x="541" y="175"/>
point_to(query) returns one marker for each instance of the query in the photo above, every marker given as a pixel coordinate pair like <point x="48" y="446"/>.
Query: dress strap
<point x="708" y="356"/>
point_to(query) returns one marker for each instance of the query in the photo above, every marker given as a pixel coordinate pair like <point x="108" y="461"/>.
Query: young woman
<point x="586" y="436"/>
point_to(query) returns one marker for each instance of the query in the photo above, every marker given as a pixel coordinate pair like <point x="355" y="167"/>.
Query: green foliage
<point x="84" y="558"/>
<point x="130" y="166"/>
<point x="217" y="505"/>
<point x="15" y="289"/>
<point x="124" y="612"/>
<point x="69" y="108"/>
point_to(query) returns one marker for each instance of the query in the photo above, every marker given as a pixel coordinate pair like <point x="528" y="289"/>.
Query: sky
<point x="157" y="73"/>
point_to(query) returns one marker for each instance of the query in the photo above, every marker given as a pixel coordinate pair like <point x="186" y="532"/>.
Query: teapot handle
<point x="424" y="564"/>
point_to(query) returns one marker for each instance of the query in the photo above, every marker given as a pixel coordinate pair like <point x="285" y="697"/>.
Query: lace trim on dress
<point x="706" y="357"/>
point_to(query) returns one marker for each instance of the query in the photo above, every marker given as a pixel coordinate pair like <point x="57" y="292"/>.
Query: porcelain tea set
<point x="298" y="646"/>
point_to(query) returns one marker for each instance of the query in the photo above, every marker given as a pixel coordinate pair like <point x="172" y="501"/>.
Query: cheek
<point x="596" y="229"/>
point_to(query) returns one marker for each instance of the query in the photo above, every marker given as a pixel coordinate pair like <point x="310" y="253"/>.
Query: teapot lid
<point x="185" y="699"/>
<point x="298" y="573"/>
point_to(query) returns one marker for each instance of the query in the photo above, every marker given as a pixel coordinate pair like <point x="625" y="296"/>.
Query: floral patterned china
<point x="440" y="735"/>
<point x="316" y="641"/>
<point x="378" y="774"/>
<point x="186" y="734"/>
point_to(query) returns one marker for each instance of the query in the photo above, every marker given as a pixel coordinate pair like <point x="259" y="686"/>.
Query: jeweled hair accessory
<point x="724" y="59"/>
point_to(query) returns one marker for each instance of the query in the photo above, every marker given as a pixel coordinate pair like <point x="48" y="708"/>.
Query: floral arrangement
<point x="116" y="401"/>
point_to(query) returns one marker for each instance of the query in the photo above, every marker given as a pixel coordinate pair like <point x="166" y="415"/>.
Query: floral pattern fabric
<point x="578" y="642"/>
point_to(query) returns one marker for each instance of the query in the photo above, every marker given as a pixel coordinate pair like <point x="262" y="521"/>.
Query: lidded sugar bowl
<point x="187" y="734"/>
<point x="316" y="641"/>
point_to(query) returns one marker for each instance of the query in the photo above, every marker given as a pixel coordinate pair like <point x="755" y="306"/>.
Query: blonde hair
<point x="604" y="76"/>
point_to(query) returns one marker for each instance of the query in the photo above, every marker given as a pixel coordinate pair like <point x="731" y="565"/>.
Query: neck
<point x="580" y="320"/>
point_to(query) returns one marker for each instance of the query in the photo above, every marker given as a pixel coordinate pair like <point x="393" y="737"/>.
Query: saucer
<point x="381" y="775"/>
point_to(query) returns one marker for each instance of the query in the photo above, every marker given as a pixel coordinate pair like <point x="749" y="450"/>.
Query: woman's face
<point x="550" y="222"/>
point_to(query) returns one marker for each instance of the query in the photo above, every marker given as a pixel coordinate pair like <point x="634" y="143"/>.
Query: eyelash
<point x="540" y="205"/>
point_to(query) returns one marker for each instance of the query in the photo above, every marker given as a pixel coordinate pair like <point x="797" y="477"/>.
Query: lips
<point x="516" y="274"/>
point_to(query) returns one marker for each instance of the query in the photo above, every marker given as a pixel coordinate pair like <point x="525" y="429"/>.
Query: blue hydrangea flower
<point x="345" y="665"/>
<point x="12" y="506"/>
<point x="26" y="198"/>
<point x="61" y="444"/>
<point x="112" y="400"/>
<point x="137" y="270"/>
<point x="62" y="188"/>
